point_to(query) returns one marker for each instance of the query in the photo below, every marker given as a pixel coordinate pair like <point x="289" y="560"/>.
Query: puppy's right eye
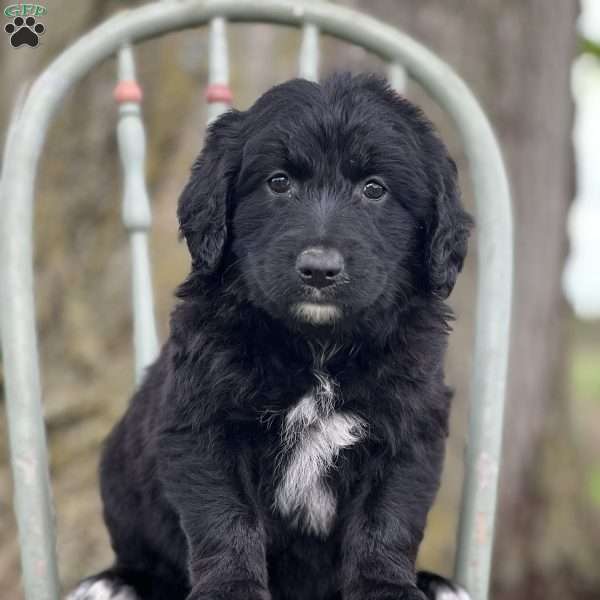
<point x="280" y="183"/>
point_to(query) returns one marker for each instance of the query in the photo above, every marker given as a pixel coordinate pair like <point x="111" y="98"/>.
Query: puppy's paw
<point x="411" y="593"/>
<point x="403" y="592"/>
<point x="102" y="589"/>
<point x="230" y="591"/>
<point x="436" y="587"/>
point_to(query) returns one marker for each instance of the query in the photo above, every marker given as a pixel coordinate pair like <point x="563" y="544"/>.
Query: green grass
<point x="589" y="47"/>
<point x="585" y="374"/>
<point x="593" y="484"/>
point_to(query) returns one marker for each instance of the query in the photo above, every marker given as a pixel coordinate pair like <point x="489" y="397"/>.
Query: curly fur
<point x="219" y="483"/>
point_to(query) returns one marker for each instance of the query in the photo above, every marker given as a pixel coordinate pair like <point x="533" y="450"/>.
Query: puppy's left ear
<point x="448" y="233"/>
<point x="204" y="202"/>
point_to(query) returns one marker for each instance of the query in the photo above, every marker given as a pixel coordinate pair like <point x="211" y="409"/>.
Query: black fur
<point x="188" y="475"/>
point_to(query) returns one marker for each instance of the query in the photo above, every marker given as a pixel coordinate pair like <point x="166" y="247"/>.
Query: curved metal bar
<point x="494" y="257"/>
<point x="26" y="430"/>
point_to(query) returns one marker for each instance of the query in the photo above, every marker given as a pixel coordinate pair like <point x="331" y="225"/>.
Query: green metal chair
<point x="26" y="135"/>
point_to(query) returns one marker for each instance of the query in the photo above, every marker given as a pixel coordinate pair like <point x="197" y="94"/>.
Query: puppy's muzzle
<point x="320" y="267"/>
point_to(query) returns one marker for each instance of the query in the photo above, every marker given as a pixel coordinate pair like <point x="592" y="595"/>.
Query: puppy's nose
<point x="320" y="267"/>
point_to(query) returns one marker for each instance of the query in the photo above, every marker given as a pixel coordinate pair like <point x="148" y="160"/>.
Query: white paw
<point x="443" y="592"/>
<point x="102" y="589"/>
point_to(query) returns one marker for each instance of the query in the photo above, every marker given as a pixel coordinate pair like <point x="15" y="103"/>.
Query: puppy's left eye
<point x="280" y="183"/>
<point x="373" y="190"/>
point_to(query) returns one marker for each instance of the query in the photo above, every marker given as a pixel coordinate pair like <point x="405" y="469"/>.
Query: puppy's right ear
<point x="202" y="209"/>
<point x="449" y="231"/>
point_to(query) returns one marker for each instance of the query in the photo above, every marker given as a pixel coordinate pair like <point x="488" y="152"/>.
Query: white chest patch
<point x="313" y="435"/>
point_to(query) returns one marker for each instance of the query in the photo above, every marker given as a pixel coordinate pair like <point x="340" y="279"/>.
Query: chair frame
<point x="25" y="139"/>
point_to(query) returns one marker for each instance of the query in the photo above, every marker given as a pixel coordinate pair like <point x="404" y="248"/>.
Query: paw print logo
<point x="24" y="32"/>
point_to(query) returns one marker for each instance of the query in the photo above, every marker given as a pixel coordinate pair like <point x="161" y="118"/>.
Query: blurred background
<point x="535" y="65"/>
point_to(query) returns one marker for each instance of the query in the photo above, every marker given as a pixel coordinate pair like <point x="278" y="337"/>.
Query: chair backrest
<point x="406" y="57"/>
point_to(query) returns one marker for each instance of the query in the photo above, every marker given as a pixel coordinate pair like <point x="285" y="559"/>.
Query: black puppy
<point x="288" y="441"/>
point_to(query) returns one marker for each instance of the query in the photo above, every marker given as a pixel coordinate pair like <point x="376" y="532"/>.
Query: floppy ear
<point x="448" y="233"/>
<point x="203" y="204"/>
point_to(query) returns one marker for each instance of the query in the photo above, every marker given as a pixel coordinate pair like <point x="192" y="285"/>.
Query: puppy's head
<point x="326" y="202"/>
